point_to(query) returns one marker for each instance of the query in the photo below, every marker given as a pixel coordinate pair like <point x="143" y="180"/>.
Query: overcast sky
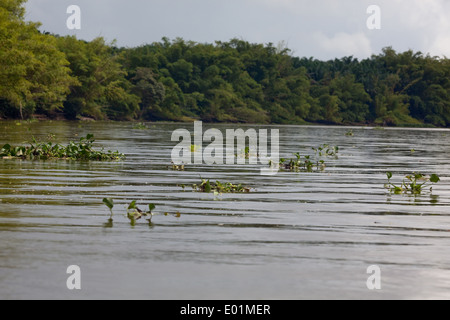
<point x="324" y="29"/>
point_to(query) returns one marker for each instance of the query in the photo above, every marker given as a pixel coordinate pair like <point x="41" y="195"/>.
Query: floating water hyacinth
<point x="140" y="126"/>
<point x="309" y="163"/>
<point x="414" y="183"/>
<point x="82" y="150"/>
<point x="218" y="187"/>
<point x="134" y="213"/>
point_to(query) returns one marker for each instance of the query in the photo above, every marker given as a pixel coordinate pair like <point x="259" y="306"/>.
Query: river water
<point x="294" y="236"/>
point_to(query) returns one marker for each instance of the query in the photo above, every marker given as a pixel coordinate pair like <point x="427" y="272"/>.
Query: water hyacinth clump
<point x="309" y="163"/>
<point x="218" y="187"/>
<point x="81" y="150"/>
<point x="140" y="126"/>
<point x="414" y="183"/>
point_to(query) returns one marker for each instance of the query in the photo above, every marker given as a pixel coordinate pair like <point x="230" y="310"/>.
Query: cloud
<point x="440" y="46"/>
<point x="420" y="25"/>
<point x="345" y="44"/>
<point x="325" y="29"/>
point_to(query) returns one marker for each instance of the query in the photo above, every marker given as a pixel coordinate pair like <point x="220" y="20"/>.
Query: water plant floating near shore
<point x="349" y="133"/>
<point x="414" y="183"/>
<point x="140" y="126"/>
<point x="81" y="150"/>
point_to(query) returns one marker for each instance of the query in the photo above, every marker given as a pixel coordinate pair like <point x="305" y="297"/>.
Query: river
<point x="296" y="235"/>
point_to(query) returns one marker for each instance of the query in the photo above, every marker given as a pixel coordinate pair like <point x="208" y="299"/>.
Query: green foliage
<point x="234" y="81"/>
<point x="110" y="204"/>
<point x="34" y="74"/>
<point x="134" y="213"/>
<point x="218" y="187"/>
<point x="310" y="163"/>
<point x="150" y="91"/>
<point x="82" y="150"/>
<point x="103" y="90"/>
<point x="413" y="184"/>
<point x="140" y="126"/>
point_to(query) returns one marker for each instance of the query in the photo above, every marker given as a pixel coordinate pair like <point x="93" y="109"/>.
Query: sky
<point x="323" y="29"/>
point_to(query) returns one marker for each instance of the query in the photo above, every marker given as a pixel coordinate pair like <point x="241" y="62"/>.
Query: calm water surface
<point x="295" y="236"/>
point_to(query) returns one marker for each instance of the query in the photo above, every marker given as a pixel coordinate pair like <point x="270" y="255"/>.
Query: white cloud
<point x="325" y="29"/>
<point x="417" y="14"/>
<point x="441" y="46"/>
<point x="423" y="24"/>
<point x="345" y="44"/>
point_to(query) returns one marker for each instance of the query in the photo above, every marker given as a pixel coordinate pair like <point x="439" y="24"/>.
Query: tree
<point x="34" y="72"/>
<point x="353" y="99"/>
<point x="102" y="90"/>
<point x="234" y="81"/>
<point x="149" y="89"/>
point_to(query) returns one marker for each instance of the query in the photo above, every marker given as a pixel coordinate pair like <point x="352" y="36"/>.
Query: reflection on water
<point x="296" y="235"/>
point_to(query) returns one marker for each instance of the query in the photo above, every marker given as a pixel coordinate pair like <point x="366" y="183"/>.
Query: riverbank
<point x="44" y="118"/>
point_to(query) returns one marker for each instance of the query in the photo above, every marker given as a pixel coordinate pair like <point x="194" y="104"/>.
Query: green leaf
<point x="389" y="175"/>
<point x="151" y="207"/>
<point x="109" y="203"/>
<point x="435" y="178"/>
<point x="398" y="190"/>
<point x="418" y="176"/>
<point x="208" y="187"/>
<point x="132" y="205"/>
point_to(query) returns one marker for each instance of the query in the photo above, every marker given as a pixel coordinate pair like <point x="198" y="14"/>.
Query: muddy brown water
<point x="295" y="236"/>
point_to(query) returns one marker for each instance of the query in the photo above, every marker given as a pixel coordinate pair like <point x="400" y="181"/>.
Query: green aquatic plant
<point x="81" y="150"/>
<point x="140" y="126"/>
<point x="350" y="133"/>
<point x="218" y="187"/>
<point x="326" y="150"/>
<point x="301" y="163"/>
<point x="176" y="167"/>
<point x="195" y="148"/>
<point x="247" y="152"/>
<point x="134" y="213"/>
<point x="309" y="163"/>
<point x="110" y="204"/>
<point x="414" y="183"/>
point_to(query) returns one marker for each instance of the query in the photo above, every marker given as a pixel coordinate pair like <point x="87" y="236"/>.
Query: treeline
<point x="233" y="81"/>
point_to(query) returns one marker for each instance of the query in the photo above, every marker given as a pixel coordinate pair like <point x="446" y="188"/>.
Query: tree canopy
<point x="234" y="81"/>
<point x="34" y="74"/>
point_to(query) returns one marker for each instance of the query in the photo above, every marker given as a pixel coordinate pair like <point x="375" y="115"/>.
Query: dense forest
<point x="234" y="81"/>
